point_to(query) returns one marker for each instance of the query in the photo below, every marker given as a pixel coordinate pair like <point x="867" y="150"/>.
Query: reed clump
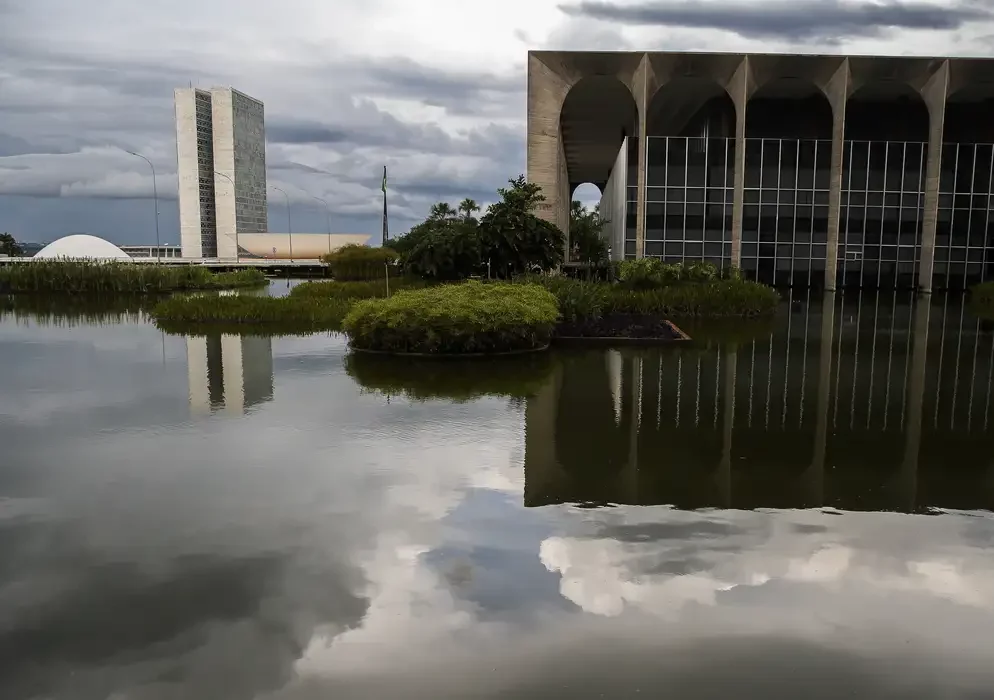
<point x="279" y="315"/>
<point x="114" y="277"/>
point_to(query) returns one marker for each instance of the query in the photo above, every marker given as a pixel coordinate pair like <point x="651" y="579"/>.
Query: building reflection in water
<point x="856" y="402"/>
<point x="228" y="372"/>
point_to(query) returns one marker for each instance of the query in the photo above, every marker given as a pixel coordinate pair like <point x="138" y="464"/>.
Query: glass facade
<point x="689" y="200"/>
<point x="785" y="210"/>
<point x="881" y="213"/>
<point x="631" y="205"/>
<point x="963" y="225"/>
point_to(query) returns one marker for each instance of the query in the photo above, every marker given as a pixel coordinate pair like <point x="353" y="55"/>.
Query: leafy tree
<point x="9" y="246"/>
<point x="409" y="241"/>
<point x="513" y="239"/>
<point x="448" y="249"/>
<point x="585" y="234"/>
<point x="468" y="207"/>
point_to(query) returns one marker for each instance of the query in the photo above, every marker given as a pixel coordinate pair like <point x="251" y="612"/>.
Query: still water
<point x="800" y="508"/>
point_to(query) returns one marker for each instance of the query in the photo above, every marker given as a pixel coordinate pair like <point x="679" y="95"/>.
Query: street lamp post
<point x="226" y="177"/>
<point x="155" y="198"/>
<point x="327" y="216"/>
<point x="289" y="227"/>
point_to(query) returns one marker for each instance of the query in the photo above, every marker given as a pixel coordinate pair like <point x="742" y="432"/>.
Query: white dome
<point x="82" y="246"/>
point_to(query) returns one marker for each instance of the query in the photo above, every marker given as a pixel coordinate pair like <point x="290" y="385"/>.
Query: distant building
<point x="221" y="164"/>
<point x="151" y="251"/>
<point x="301" y="246"/>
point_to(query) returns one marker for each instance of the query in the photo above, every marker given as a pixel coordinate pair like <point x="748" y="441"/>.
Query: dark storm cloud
<point x="792" y="21"/>
<point x="457" y="92"/>
<point x="331" y="141"/>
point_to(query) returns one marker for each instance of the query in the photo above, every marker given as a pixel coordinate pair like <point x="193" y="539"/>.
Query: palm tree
<point x="442" y="210"/>
<point x="468" y="207"/>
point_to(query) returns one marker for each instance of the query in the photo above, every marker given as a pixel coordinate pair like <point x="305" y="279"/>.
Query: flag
<point x="383" y="186"/>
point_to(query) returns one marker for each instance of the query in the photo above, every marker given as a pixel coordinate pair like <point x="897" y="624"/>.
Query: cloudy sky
<point x="432" y="88"/>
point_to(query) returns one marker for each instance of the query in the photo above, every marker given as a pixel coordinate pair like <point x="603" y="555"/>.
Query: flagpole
<point x="386" y="228"/>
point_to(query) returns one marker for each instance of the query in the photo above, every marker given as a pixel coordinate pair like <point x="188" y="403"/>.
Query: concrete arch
<point x="582" y="191"/>
<point x="969" y="114"/>
<point x="598" y="113"/>
<point x="552" y="77"/>
<point x="791" y="108"/>
<point x="691" y="106"/>
<point x="887" y="111"/>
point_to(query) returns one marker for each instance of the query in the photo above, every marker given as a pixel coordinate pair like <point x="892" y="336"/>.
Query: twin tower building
<point x="221" y="164"/>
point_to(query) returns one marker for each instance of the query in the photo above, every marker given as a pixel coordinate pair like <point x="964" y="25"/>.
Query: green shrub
<point x="186" y="314"/>
<point x="464" y="379"/>
<point x="472" y="317"/>
<point x="653" y="273"/>
<point x="577" y="299"/>
<point x="113" y="277"/>
<point x="333" y="289"/>
<point x="360" y="262"/>
<point x="712" y="299"/>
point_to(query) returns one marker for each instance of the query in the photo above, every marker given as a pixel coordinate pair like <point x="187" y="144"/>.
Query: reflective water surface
<point x="795" y="509"/>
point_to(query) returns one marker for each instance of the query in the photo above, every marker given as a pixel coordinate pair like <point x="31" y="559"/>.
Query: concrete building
<point x="151" y="251"/>
<point x="221" y="163"/>
<point x="801" y="170"/>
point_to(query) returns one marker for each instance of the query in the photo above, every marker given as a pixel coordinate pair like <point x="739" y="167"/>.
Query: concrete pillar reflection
<point x="541" y="463"/>
<point x="915" y="400"/>
<point x="934" y="93"/>
<point x="198" y="381"/>
<point x="814" y="477"/>
<point x="738" y="88"/>
<point x="837" y="92"/>
<point x="631" y="475"/>
<point x="228" y="372"/>
<point x="727" y="424"/>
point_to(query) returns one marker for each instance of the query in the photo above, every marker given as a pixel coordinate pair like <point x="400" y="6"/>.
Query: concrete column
<point x="724" y="476"/>
<point x="545" y="162"/>
<point x="934" y="93"/>
<point x="640" y="88"/>
<point x="738" y="88"/>
<point x="541" y="463"/>
<point x="837" y="92"/>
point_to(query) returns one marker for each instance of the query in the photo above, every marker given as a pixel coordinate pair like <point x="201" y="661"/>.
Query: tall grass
<point x="354" y="290"/>
<point x="280" y="315"/>
<point x="720" y="298"/>
<point x="90" y="277"/>
<point x="360" y="262"/>
<point x="69" y="310"/>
